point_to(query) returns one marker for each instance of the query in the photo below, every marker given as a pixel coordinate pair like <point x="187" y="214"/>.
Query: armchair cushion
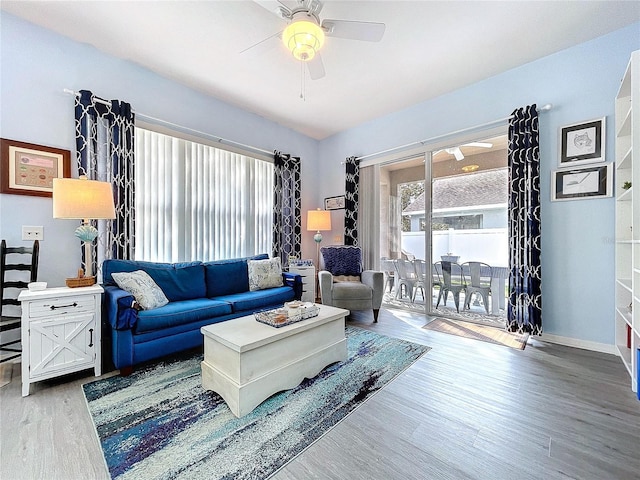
<point x="352" y="291"/>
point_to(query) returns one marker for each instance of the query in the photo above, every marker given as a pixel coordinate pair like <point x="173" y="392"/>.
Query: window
<point x="458" y="222"/>
<point x="198" y="202"/>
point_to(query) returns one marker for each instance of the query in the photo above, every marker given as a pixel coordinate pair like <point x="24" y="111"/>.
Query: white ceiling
<point x="429" y="48"/>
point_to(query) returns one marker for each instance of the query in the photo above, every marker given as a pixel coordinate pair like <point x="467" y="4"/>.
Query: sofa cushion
<point x="178" y="281"/>
<point x="264" y="274"/>
<point x="142" y="287"/>
<point x="184" y="282"/>
<point x="111" y="266"/>
<point x="342" y="259"/>
<point x="225" y="277"/>
<point x="179" y="313"/>
<point x="252" y="301"/>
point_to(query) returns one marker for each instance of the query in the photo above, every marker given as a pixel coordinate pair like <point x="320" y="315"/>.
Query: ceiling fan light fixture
<point x="303" y="38"/>
<point x="470" y="168"/>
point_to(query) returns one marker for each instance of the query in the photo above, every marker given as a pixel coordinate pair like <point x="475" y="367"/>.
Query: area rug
<point x="159" y="423"/>
<point x="478" y="332"/>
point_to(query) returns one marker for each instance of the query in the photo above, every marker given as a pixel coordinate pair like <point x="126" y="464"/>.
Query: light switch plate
<point x="32" y="233"/>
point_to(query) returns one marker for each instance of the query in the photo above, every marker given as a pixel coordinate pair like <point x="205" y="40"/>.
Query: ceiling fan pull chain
<point x="302" y="83"/>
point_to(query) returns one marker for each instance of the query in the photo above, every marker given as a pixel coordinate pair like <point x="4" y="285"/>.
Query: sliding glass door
<point x="447" y="205"/>
<point x="469" y="237"/>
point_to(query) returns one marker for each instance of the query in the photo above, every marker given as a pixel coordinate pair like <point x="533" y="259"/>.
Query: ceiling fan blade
<point x="277" y="8"/>
<point x="316" y="67"/>
<point x="265" y="45"/>
<point x="367" y="31"/>
<point x="478" y="144"/>
<point x="456" y="152"/>
<point x="291" y="4"/>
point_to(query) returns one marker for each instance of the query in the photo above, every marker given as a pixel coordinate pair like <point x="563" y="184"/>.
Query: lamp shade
<point x="303" y="38"/>
<point x="318" y="220"/>
<point x="77" y="198"/>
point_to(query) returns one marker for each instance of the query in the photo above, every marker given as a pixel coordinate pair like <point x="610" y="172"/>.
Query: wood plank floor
<point x="465" y="410"/>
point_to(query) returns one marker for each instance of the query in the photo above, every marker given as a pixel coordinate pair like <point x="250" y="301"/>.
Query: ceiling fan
<point x="304" y="35"/>
<point x="456" y="152"/>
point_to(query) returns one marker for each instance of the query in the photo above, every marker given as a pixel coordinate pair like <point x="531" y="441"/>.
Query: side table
<point x="308" y="274"/>
<point x="60" y="332"/>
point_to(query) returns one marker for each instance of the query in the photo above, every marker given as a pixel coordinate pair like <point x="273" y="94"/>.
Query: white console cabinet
<point x="60" y="332"/>
<point x="308" y="274"/>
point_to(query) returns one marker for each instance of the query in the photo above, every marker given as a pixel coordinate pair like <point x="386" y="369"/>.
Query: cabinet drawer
<point x="61" y="306"/>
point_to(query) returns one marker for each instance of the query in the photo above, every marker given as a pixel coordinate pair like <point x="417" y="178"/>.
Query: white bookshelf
<point x="627" y="234"/>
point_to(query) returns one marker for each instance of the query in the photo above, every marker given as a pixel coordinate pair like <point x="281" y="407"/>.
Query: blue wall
<point x="577" y="246"/>
<point x="38" y="64"/>
<point x="581" y="82"/>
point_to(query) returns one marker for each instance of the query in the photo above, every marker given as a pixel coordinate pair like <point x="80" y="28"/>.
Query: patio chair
<point x="480" y="275"/>
<point x="406" y="279"/>
<point x="344" y="284"/>
<point x="420" y="267"/>
<point x="452" y="281"/>
<point x="436" y="276"/>
<point x="388" y="268"/>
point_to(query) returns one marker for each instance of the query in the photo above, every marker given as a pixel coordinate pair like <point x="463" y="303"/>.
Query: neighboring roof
<point x="481" y="188"/>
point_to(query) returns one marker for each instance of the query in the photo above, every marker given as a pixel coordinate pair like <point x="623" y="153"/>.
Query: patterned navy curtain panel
<point x="105" y="152"/>
<point x="287" y="234"/>
<point x="524" y="312"/>
<point x="352" y="180"/>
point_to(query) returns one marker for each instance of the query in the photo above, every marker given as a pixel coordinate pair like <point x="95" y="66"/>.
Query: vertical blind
<point x="197" y="202"/>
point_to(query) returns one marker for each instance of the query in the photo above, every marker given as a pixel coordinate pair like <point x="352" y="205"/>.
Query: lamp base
<point x="317" y="237"/>
<point x="86" y="232"/>
<point x="80" y="282"/>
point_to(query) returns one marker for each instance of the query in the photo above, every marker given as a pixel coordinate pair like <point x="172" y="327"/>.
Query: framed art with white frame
<point x="582" y="183"/>
<point x="582" y="143"/>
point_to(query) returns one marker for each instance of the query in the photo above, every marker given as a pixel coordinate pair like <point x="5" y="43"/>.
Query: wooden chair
<point x="11" y="283"/>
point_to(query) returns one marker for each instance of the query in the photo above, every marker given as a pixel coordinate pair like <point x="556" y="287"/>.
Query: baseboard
<point x="577" y="343"/>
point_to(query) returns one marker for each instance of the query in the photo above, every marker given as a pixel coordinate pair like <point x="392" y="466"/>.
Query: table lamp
<point x="318" y="220"/>
<point x="82" y="199"/>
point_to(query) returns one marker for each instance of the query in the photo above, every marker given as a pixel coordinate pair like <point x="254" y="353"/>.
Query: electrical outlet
<point x="32" y="233"/>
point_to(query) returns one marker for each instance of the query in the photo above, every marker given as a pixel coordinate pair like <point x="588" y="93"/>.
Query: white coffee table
<point x="246" y="362"/>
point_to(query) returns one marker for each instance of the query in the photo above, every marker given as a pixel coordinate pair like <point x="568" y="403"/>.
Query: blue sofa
<point x="199" y="294"/>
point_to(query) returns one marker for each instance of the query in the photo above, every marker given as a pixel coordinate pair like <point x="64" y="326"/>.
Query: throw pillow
<point x="342" y="260"/>
<point x="264" y="274"/>
<point x="142" y="287"/>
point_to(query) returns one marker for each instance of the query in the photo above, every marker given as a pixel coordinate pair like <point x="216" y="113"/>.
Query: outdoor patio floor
<point x="476" y="312"/>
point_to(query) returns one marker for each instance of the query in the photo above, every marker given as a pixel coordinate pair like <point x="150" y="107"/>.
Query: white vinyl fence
<point x="488" y="245"/>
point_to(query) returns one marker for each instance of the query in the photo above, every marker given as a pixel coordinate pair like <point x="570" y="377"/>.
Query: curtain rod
<point x="149" y="117"/>
<point x="544" y="108"/>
